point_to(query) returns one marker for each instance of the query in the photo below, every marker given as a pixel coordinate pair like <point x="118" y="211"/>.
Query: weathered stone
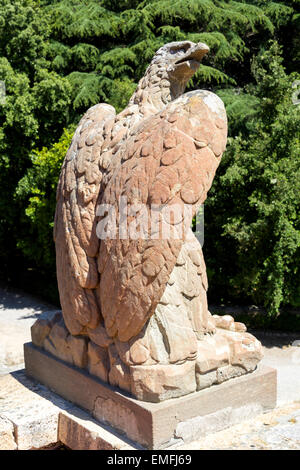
<point x="7" y="440"/>
<point x="119" y="416"/>
<point x="178" y="332"/>
<point x="120" y="349"/>
<point x="213" y="352"/>
<point x="139" y="300"/>
<point x="50" y="332"/>
<point x="229" y="372"/>
<point x="99" y="336"/>
<point x="39" y="332"/>
<point x="227" y="322"/>
<point x="32" y="411"/>
<point x="69" y="348"/>
<point x="78" y="349"/>
<point x="195" y="428"/>
<point x="245" y="349"/>
<point x="224" y="321"/>
<point x="37" y="427"/>
<point x="41" y="328"/>
<point x="57" y="342"/>
<point x="59" y="334"/>
<point x="98" y="361"/>
<point x="161" y="382"/>
<point x="207" y="379"/>
<point x="113" y="354"/>
<point x="63" y="354"/>
<point x="78" y="431"/>
<point x="119" y="375"/>
<point x="138" y="352"/>
<point x="150" y="424"/>
<point x="239" y="327"/>
<point x="157" y="343"/>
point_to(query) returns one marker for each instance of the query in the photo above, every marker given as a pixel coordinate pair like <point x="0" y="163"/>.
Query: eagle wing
<point x="170" y="159"/>
<point x="75" y="237"/>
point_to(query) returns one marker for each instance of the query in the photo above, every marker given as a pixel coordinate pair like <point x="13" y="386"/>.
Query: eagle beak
<point x="184" y="68"/>
<point x="195" y="54"/>
<point x="199" y="51"/>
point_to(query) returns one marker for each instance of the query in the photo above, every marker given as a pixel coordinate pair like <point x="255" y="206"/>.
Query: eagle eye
<point x="178" y="51"/>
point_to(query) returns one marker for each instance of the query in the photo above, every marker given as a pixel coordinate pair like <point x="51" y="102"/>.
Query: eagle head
<point x="181" y="59"/>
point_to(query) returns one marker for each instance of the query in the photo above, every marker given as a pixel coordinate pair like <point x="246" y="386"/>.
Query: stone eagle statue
<point x="134" y="309"/>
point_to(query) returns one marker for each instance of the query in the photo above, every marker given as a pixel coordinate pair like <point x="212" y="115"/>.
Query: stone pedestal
<point x="157" y="425"/>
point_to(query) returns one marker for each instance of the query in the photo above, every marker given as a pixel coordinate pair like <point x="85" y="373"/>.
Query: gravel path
<point x="18" y="311"/>
<point x="277" y="430"/>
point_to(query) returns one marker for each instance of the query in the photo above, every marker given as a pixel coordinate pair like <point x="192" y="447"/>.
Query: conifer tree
<point x="101" y="44"/>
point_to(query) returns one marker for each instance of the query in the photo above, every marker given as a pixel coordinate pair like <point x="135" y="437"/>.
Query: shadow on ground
<point x="12" y="299"/>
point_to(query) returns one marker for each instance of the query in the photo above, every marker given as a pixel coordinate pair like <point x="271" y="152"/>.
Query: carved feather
<point x="162" y="164"/>
<point x="77" y="245"/>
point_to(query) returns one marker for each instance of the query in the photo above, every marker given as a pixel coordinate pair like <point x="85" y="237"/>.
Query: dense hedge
<point x="253" y="225"/>
<point x="57" y="58"/>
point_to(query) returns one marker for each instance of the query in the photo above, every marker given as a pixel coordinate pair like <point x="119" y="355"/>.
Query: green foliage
<point x="38" y="190"/>
<point x="112" y="42"/>
<point x="255" y="203"/>
<point x="34" y="111"/>
<point x="241" y="108"/>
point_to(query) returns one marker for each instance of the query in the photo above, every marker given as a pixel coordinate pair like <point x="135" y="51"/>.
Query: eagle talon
<point x="227" y="322"/>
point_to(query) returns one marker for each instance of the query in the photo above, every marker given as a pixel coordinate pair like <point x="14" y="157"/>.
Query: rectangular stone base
<point x="157" y="425"/>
